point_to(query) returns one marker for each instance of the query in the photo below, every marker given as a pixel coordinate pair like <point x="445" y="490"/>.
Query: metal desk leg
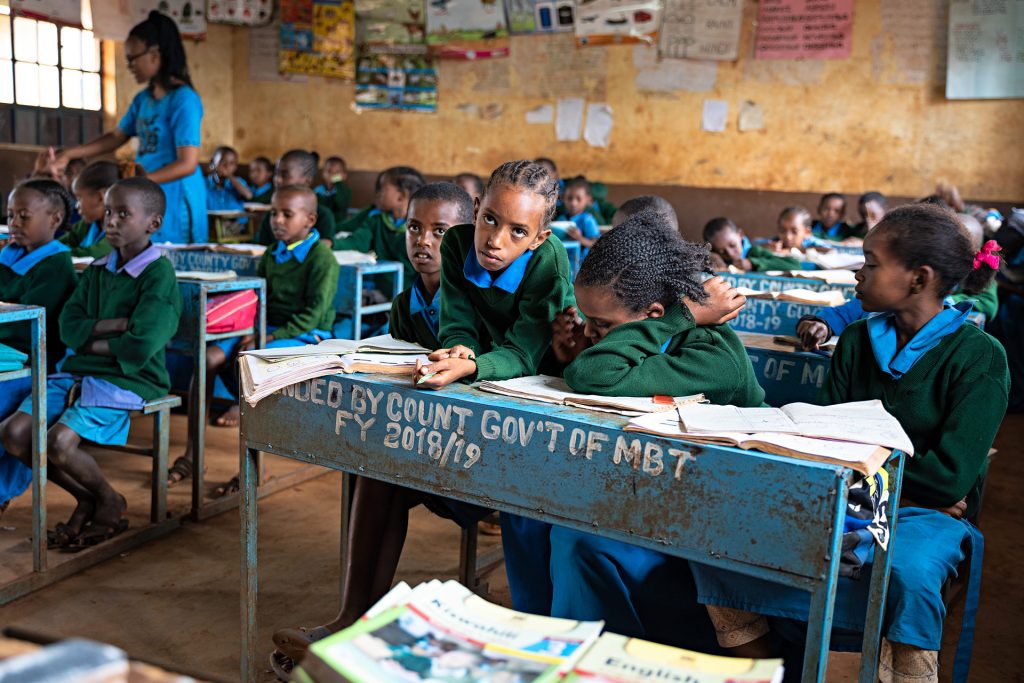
<point x="348" y="486"/>
<point x="247" y="484"/>
<point x="197" y="407"/>
<point x="161" y="443"/>
<point x="39" y="442"/>
<point x="880" y="570"/>
<point x="819" y="622"/>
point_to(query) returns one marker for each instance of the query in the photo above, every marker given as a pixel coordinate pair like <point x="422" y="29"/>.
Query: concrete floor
<point x="175" y="599"/>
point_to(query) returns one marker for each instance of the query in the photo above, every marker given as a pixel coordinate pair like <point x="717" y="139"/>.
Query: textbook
<point x="554" y="390"/>
<point x="858" y="435"/>
<point x="796" y="295"/>
<point x="834" y="260"/>
<point x="351" y="257"/>
<point x="832" y="277"/>
<point x="384" y="343"/>
<point x="443" y="632"/>
<point x="618" y="659"/>
<point x="205" y="275"/>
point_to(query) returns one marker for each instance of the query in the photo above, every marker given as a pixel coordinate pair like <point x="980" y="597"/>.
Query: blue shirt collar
<point x="418" y="305"/>
<point x="134" y="267"/>
<point x="746" y="246"/>
<point x="882" y="333"/>
<point x="396" y="222"/>
<point x="282" y="253"/>
<point x="17" y="259"/>
<point x="95" y="234"/>
<point x="508" y="280"/>
<point x="261" y="189"/>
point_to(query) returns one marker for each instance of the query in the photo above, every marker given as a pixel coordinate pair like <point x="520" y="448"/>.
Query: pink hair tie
<point x="988" y="255"/>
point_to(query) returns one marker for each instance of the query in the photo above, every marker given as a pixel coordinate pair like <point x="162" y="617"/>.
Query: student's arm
<point x="400" y="325"/>
<point x="51" y="286"/>
<point x="321" y="285"/>
<point x="838" y="384"/>
<point x="762" y="259"/>
<point x="590" y="232"/>
<point x="264" y="235"/>
<point x="325" y="224"/>
<point x="838" y="318"/>
<point x="153" y="321"/>
<point x="76" y="325"/>
<point x="361" y="238"/>
<point x="241" y="188"/>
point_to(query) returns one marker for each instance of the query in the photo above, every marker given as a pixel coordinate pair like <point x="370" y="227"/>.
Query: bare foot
<point x="229" y="418"/>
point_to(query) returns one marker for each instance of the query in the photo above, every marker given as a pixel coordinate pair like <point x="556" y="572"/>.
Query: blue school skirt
<point x="15" y="476"/>
<point x="104" y="426"/>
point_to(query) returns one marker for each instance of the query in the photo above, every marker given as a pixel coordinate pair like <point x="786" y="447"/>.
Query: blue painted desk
<point x="348" y="301"/>
<point x="192" y="339"/>
<point x="571" y="467"/>
<point x="574" y="251"/>
<point x="212" y="261"/>
<point x="785" y="374"/>
<point x="774" y="283"/>
<point x="857" y="250"/>
<point x="772" y="317"/>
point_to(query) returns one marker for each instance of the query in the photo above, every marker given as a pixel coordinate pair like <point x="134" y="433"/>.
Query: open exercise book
<point x="443" y="632"/>
<point x="264" y="371"/>
<point x="800" y="296"/>
<point x="857" y="435"/>
<point x="832" y="277"/>
<point x="554" y="390"/>
<point x="834" y="260"/>
<point x="775" y="342"/>
<point x="206" y="275"/>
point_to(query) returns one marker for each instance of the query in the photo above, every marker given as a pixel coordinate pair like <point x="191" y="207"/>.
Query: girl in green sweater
<point x="947" y="383"/>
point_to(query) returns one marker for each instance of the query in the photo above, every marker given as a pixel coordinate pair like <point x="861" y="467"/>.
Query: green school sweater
<point x="264" y="197"/>
<point x="300" y="296"/>
<point x="152" y="304"/>
<point x="74" y="236"/>
<point x="409" y="327"/>
<point x="762" y="258"/>
<point x="950" y="403"/>
<point x="510" y="332"/>
<point x="338" y="202"/>
<point x="350" y="224"/>
<point x="629" y="362"/>
<point x="49" y="284"/>
<point x="986" y="301"/>
<point x="324" y="225"/>
<point x="378" y="233"/>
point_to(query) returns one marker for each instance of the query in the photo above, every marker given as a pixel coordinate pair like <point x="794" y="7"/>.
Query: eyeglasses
<point x="131" y="58"/>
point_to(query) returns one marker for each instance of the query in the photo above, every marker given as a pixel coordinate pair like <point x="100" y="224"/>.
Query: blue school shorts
<point x="104" y="426"/>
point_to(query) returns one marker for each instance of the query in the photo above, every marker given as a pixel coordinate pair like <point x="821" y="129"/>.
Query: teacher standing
<point x="166" y="117"/>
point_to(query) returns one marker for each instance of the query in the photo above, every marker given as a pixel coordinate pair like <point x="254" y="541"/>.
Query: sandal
<point x="293" y="642"/>
<point x="95" y="533"/>
<point x="61" y="536"/>
<point x="282" y="665"/>
<point x="181" y="470"/>
<point x="231" y="487"/>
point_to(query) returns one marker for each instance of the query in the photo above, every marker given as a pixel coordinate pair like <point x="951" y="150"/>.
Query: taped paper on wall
<point x="716" y="113"/>
<point x="570" y="119"/>
<point x="599" y="124"/>
<point x="986" y="50"/>
<point x="751" y="116"/>
<point x="545" y="113"/>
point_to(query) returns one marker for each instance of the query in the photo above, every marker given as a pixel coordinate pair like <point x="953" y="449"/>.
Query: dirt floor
<point x="176" y="599"/>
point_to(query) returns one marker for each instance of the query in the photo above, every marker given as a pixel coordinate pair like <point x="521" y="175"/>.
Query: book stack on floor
<point x="264" y="371"/>
<point x="443" y="632"/>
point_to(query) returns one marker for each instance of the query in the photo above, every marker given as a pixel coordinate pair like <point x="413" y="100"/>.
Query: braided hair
<point x="58" y="197"/>
<point x="528" y="175"/>
<point x="159" y="30"/>
<point x="644" y="261"/>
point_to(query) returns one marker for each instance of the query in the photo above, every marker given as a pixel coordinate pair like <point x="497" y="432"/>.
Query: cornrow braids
<point x="528" y="175"/>
<point x="56" y="195"/>
<point x="643" y="261"/>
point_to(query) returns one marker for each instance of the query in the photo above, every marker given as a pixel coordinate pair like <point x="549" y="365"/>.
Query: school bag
<point x="232" y="311"/>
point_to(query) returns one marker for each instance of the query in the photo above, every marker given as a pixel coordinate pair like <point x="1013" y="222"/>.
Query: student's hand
<point x="717" y="262"/>
<point x="724" y="303"/>
<point x="109" y="326"/>
<point x="442" y="373"/>
<point x="457" y="351"/>
<point x="567" y="338"/>
<point x="574" y="233"/>
<point x="745" y="265"/>
<point x="957" y="511"/>
<point x="44" y="163"/>
<point x="812" y="333"/>
<point x="248" y="342"/>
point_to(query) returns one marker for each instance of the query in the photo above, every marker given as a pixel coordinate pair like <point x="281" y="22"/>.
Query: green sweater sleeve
<point x="340" y="201"/>
<point x="764" y="259"/>
<point x="986" y="301"/>
<point x="75" y="322"/>
<point x="460" y="323"/>
<point x="400" y="319"/>
<point x="320" y="287"/>
<point x="154" y="319"/>
<point x="361" y="238"/>
<point x="75" y="234"/>
<point x="325" y="224"/>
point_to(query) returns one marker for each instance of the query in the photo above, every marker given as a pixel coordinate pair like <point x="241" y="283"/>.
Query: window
<point x="50" y="84"/>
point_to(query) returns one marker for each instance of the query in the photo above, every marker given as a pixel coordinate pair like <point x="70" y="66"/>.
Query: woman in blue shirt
<point x="166" y="117"/>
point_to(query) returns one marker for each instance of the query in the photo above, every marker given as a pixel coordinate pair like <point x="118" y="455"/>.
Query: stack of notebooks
<point x="832" y="277"/>
<point x="554" y="390"/>
<point x="442" y="632"/>
<point x="800" y="296"/>
<point x="834" y="260"/>
<point x="857" y="435"/>
<point x="11" y="359"/>
<point x="350" y="257"/>
<point x="265" y="371"/>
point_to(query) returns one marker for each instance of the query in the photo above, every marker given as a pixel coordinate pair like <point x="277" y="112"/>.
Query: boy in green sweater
<point x="731" y="247"/>
<point x="117" y="322"/>
<point x="333" y="192"/>
<point x="379" y="509"/>
<point x="299" y="167"/>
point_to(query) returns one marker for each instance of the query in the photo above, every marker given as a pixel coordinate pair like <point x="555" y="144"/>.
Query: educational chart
<point x="113" y="19"/>
<point x="467" y="29"/>
<point x="390" y="26"/>
<point x="396" y="82"/>
<point x="60" y="11"/>
<point x="701" y="29"/>
<point x="317" y="38"/>
<point x="540" y="16"/>
<point x="986" y="49"/>
<point x="240" y="12"/>
<point x="804" y="29"/>
<point x="609" y="22"/>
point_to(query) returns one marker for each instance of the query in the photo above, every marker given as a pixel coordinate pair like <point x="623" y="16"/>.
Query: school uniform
<point x="43" y="277"/>
<point x="378" y="232"/>
<point x="163" y="126"/>
<point x="762" y="259"/>
<point x="337" y="200"/>
<point x="505" y="319"/>
<point x="859" y="230"/>
<point x="223" y="195"/>
<point x="587" y="224"/>
<point x="324" y="226"/>
<point x="87" y="239"/>
<point x="836" y="232"/>
<point x="263" y="193"/>
<point x="948" y="388"/>
<point x="302" y="280"/>
<point x="639" y="592"/>
<point x="145" y="291"/>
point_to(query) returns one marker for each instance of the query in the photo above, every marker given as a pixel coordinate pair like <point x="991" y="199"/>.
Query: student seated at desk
<point x="298" y="167"/>
<point x="381" y="228"/>
<point x="730" y="247"/>
<point x="261" y="177"/>
<point x="647" y="202"/>
<point x="86" y="237"/>
<point x="576" y="199"/>
<point x="794" y="227"/>
<point x="35" y="270"/>
<point x="831" y="224"/>
<point x="333" y="192"/>
<point x="116" y="324"/>
<point x="225" y="191"/>
<point x="302" y="279"/>
<point x="380" y="511"/>
<point x="947" y="384"/>
<point x="871" y="208"/>
<point x="640" y="340"/>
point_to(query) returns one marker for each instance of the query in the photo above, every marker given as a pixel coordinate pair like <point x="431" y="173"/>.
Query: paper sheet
<point x="751" y="116"/>
<point x="599" y="124"/>
<point x="701" y="29"/>
<point x="570" y="119"/>
<point x="716" y="113"/>
<point x="544" y="113"/>
<point x="804" y="29"/>
<point x="986" y="49"/>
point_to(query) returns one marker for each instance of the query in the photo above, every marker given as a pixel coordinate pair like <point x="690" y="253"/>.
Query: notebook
<point x="547" y="389"/>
